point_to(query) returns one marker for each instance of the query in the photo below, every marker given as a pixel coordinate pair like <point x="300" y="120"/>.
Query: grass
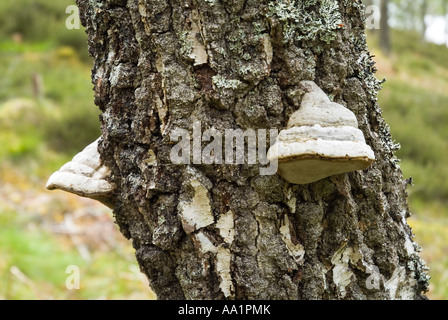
<point x="25" y="253"/>
<point x="44" y="232"/>
<point x="34" y="264"/>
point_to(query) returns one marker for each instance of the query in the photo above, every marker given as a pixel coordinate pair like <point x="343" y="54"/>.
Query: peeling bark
<point x="224" y="231"/>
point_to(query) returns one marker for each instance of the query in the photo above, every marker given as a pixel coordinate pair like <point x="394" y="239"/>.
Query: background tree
<point x="384" y="27"/>
<point x="423" y="13"/>
<point x="369" y="2"/>
<point x="412" y="15"/>
<point x="445" y="14"/>
<point x="161" y="65"/>
<point x="406" y="14"/>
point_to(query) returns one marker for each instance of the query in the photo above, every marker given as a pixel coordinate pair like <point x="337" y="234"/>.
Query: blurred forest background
<point x="47" y="115"/>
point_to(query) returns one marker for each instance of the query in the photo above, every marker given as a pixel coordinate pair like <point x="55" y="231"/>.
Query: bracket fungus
<point x="322" y="139"/>
<point x="85" y="176"/>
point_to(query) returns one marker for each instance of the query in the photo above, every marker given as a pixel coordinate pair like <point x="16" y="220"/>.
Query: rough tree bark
<point x="164" y="64"/>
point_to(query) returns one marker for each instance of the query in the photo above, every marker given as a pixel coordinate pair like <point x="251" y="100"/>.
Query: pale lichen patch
<point x="296" y="251"/>
<point x="223" y="260"/>
<point x="226" y="226"/>
<point x="197" y="50"/>
<point x="204" y="243"/>
<point x="269" y="53"/>
<point x="160" y="66"/>
<point x="162" y="111"/>
<point x="292" y="201"/>
<point x="196" y="214"/>
<point x="152" y="158"/>
<point x="342" y="273"/>
<point x="392" y="284"/>
<point x="222" y="83"/>
<point x="404" y="280"/>
<point x="144" y="16"/>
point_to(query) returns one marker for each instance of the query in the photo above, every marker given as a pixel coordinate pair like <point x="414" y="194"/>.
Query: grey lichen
<point x="223" y="83"/>
<point x="419" y="267"/>
<point x="186" y="44"/>
<point x="302" y="23"/>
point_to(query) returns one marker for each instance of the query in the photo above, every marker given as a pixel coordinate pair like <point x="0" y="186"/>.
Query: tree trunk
<point x="225" y="231"/>
<point x="411" y="19"/>
<point x="423" y="12"/>
<point x="445" y="15"/>
<point x="384" y="27"/>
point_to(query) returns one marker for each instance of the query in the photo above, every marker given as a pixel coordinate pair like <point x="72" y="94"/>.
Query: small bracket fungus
<point x="84" y="176"/>
<point x="322" y="139"/>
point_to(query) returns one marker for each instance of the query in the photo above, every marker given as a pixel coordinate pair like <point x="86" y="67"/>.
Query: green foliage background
<point x="47" y="115"/>
<point x="414" y="100"/>
<point x="39" y="131"/>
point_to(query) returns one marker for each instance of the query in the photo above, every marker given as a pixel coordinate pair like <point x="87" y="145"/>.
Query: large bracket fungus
<point x="322" y="139"/>
<point x="85" y="176"/>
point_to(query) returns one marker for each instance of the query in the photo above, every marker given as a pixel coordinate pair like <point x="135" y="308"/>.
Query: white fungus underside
<point x="85" y="175"/>
<point x="311" y="153"/>
<point x="79" y="184"/>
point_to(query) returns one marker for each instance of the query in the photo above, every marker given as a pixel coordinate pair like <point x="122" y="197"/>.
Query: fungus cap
<point x="322" y="139"/>
<point x="84" y="175"/>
